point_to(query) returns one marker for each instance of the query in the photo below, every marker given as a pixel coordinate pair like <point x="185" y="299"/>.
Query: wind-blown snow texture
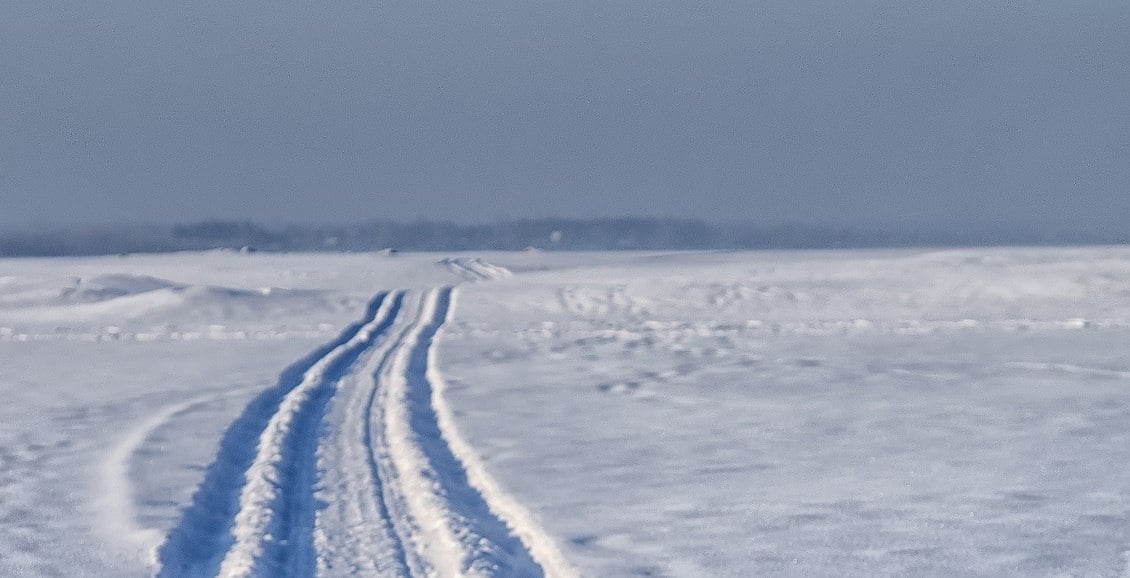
<point x="603" y="414"/>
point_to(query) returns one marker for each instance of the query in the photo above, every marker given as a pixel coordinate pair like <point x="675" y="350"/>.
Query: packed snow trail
<point x="447" y="521"/>
<point x="352" y="495"/>
<point x="353" y="467"/>
<point x="237" y="521"/>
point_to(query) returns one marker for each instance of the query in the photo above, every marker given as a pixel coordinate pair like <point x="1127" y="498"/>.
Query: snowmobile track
<point x="353" y="465"/>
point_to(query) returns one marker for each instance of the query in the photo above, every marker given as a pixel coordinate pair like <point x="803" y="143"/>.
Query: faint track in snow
<point x="116" y="496"/>
<point x="353" y="466"/>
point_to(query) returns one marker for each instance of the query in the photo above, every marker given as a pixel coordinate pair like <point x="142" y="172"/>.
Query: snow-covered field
<point x="961" y="412"/>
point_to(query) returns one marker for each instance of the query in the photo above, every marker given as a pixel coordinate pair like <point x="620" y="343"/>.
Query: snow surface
<point x="960" y="412"/>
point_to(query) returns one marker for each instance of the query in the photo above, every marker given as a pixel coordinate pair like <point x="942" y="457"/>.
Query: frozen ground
<point x="730" y="414"/>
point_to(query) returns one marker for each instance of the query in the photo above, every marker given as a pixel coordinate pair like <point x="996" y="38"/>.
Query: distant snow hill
<point x="138" y="301"/>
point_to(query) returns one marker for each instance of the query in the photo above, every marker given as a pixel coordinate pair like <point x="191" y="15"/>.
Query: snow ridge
<point x="475" y="269"/>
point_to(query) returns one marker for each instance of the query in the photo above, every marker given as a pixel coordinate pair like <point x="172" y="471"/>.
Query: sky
<point x="768" y="111"/>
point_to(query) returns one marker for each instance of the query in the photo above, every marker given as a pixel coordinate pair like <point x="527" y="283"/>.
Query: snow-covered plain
<point x="958" y="412"/>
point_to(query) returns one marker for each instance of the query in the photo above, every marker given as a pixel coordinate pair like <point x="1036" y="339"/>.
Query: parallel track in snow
<point x="353" y="466"/>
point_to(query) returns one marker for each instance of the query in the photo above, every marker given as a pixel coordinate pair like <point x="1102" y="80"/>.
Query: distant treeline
<point x="548" y="234"/>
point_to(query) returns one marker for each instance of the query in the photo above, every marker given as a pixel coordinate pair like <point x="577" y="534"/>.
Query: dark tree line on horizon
<point x="625" y="233"/>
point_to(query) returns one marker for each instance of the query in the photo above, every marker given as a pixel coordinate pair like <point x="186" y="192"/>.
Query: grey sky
<point x="835" y="112"/>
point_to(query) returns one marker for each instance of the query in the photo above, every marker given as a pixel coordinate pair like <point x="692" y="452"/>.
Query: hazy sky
<point x="784" y="110"/>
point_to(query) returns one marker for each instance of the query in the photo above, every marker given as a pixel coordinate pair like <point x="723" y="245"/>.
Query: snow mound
<point x="105" y="287"/>
<point x="17" y="292"/>
<point x="474" y="269"/>
<point x="120" y="299"/>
